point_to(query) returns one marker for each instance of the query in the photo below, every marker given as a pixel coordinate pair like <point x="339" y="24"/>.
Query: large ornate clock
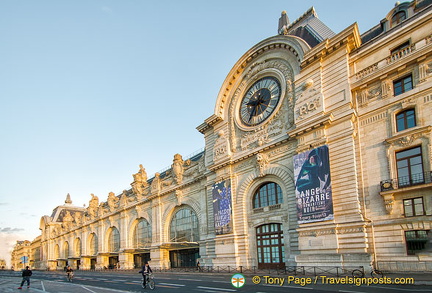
<point x="260" y="101"/>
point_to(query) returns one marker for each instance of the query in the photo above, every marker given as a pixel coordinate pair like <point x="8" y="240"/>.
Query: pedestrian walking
<point x="26" y="274"/>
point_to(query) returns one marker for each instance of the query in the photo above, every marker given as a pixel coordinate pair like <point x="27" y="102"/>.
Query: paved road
<point x="109" y="282"/>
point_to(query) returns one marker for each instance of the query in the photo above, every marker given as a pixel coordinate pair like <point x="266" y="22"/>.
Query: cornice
<point x="311" y="124"/>
<point x="245" y="156"/>
<point x="349" y="38"/>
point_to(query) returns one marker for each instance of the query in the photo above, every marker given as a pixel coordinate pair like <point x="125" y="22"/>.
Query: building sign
<point x="221" y="193"/>
<point x="313" y="186"/>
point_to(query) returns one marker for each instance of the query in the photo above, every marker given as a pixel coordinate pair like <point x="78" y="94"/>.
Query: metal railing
<point x="406" y="181"/>
<point x="287" y="270"/>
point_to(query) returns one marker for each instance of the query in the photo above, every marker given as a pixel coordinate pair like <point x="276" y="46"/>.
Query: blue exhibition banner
<point x="221" y="193"/>
<point x="313" y="185"/>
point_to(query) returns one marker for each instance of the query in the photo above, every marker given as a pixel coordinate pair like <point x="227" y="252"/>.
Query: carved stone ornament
<point x="78" y="218"/>
<point x="177" y="168"/>
<point x="307" y="108"/>
<point x="92" y="209"/>
<point x="179" y="196"/>
<point x="242" y="139"/>
<point x="140" y="181"/>
<point x="262" y="162"/>
<point x="123" y="201"/>
<point x="67" y="220"/>
<point x="156" y="184"/>
<point x="112" y="201"/>
<point x="221" y="148"/>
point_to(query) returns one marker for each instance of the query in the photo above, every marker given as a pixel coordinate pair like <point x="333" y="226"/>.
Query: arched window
<point x="56" y="252"/>
<point x="184" y="226"/>
<point x="142" y="234"/>
<point x="267" y="194"/>
<point x="93" y="244"/>
<point x="398" y="17"/>
<point x="66" y="250"/>
<point x="114" y="240"/>
<point x="77" y="247"/>
<point x="405" y="120"/>
<point x="270" y="246"/>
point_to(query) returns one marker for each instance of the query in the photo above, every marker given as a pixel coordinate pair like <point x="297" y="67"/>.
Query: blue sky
<point x="90" y="89"/>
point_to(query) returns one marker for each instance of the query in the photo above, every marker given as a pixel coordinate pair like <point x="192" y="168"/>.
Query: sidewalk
<point x="11" y="284"/>
<point x="419" y="278"/>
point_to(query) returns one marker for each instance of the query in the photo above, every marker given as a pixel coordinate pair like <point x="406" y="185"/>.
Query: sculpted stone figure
<point x="156" y="184"/>
<point x="123" y="199"/>
<point x="140" y="181"/>
<point x="93" y="206"/>
<point x="262" y="162"/>
<point x="78" y="218"/>
<point x="141" y="176"/>
<point x="112" y="201"/>
<point x="94" y="201"/>
<point x="67" y="220"/>
<point x="177" y="168"/>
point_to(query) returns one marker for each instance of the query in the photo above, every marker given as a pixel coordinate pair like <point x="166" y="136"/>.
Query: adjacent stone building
<point x="318" y="153"/>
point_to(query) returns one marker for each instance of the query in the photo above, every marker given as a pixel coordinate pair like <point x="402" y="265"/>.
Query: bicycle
<point x="149" y="281"/>
<point x="359" y="273"/>
<point x="69" y="276"/>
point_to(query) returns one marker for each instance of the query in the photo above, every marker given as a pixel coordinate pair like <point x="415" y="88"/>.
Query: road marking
<point x="213" y="288"/>
<point x="43" y="287"/>
<point x="351" y="291"/>
<point x="169" y="284"/>
<point x="88" y="289"/>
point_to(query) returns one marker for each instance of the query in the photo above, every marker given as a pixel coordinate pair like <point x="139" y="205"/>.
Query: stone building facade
<point x="318" y="153"/>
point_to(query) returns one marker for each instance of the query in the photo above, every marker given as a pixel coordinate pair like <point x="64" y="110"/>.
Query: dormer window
<point x="398" y="17"/>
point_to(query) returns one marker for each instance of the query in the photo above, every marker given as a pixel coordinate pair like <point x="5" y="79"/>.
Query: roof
<point x="310" y="28"/>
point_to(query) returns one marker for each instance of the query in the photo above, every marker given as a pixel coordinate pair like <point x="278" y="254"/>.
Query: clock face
<point x="260" y="101"/>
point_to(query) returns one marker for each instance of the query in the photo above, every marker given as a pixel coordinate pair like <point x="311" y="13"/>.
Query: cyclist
<point x="69" y="272"/>
<point x="145" y="271"/>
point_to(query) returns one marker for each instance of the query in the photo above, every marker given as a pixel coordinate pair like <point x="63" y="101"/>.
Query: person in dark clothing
<point x="26" y="274"/>
<point x="69" y="273"/>
<point x="145" y="271"/>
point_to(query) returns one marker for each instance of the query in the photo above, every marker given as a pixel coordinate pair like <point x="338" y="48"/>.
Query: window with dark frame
<point x="402" y="85"/>
<point x="413" y="207"/>
<point x="268" y="194"/>
<point x="405" y="120"/>
<point x="410" y="167"/>
<point x="416" y="241"/>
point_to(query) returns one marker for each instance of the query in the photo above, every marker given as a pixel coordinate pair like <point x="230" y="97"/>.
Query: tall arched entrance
<point x="270" y="246"/>
<point x="184" y="236"/>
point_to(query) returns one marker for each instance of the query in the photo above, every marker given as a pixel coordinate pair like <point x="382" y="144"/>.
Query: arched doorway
<point x="270" y="246"/>
<point x="184" y="234"/>
<point x="142" y="238"/>
<point x="113" y="247"/>
<point x="93" y="250"/>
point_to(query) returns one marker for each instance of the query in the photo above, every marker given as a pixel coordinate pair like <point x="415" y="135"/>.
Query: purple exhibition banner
<point x="313" y="185"/>
<point x="221" y="193"/>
